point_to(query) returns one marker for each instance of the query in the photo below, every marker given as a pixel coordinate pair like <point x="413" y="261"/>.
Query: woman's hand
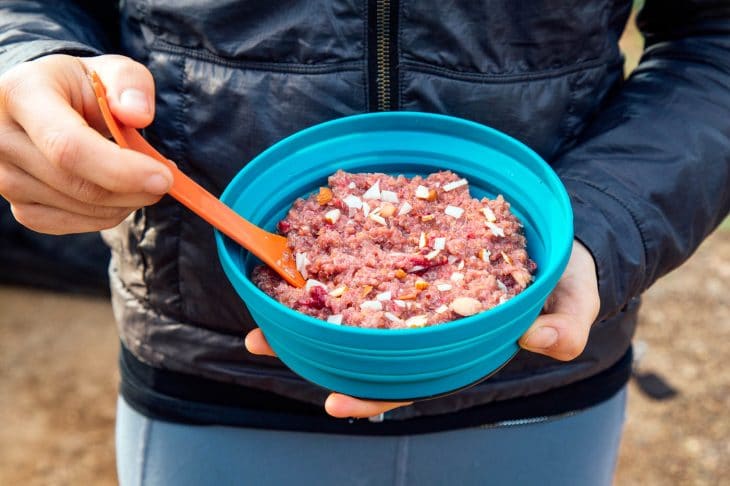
<point x="57" y="169"/>
<point x="561" y="332"/>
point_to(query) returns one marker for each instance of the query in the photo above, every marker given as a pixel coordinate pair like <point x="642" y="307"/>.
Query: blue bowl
<point x="400" y="364"/>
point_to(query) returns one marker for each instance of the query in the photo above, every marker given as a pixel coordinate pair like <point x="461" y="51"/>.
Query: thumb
<point x="560" y="336"/>
<point x="129" y="86"/>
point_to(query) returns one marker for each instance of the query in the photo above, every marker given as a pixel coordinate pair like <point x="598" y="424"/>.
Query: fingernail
<point x="135" y="100"/>
<point x="156" y="184"/>
<point x="541" y="338"/>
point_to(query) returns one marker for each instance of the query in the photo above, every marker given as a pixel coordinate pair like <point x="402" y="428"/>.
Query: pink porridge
<point x="393" y="252"/>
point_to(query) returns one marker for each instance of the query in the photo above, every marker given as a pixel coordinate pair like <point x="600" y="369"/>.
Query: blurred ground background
<point x="58" y="379"/>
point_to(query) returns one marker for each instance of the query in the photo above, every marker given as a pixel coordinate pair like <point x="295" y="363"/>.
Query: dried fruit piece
<point x="400" y="274"/>
<point x="421" y="284"/>
<point x="325" y="195"/>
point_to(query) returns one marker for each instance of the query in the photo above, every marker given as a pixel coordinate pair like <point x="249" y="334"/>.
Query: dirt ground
<point x="58" y="383"/>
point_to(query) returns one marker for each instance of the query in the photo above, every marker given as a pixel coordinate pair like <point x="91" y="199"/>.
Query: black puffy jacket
<point x="645" y="160"/>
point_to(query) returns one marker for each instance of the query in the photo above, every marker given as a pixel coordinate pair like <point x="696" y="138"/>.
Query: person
<point x="646" y="162"/>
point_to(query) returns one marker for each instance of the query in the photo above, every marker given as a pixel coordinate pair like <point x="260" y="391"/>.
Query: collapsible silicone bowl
<point x="395" y="364"/>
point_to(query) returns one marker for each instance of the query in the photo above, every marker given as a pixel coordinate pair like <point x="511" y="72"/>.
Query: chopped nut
<point x="332" y="216"/>
<point x="422" y="240"/>
<point x="400" y="274"/>
<point x="387" y="210"/>
<point x="388" y="196"/>
<point x="324" y="196"/>
<point x="484" y="255"/>
<point x="373" y="192"/>
<point x="392" y="317"/>
<point x="427" y="217"/>
<point x="489" y="214"/>
<point x="421" y="284"/>
<point x="441" y="309"/>
<point x="378" y="218"/>
<point x="373" y="305"/>
<point x="313" y="283"/>
<point x="506" y="258"/>
<point x="339" y="291"/>
<point x="496" y="230"/>
<point x="457" y="276"/>
<point x="465" y="306"/>
<point x="521" y="277"/>
<point x="383" y="296"/>
<point x="439" y="243"/>
<point x="454" y="211"/>
<point x="422" y="192"/>
<point x="417" y="321"/>
<point x="366" y="290"/>
<point x="444" y="287"/>
<point x="405" y="208"/>
<point x="433" y="254"/>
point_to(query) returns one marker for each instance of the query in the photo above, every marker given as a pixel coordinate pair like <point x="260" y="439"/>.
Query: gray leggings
<point x="573" y="449"/>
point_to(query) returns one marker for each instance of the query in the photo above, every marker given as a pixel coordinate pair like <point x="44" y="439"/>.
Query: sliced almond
<point x="441" y="309"/>
<point x="506" y="258"/>
<point x="325" y="195"/>
<point x="501" y="286"/>
<point x="378" y="219"/>
<point x="439" y="243"/>
<point x="433" y="254"/>
<point x="465" y="306"/>
<point x="399" y="303"/>
<point x="332" y="216"/>
<point x="457" y="276"/>
<point x="522" y="277"/>
<point x="313" y="283"/>
<point x="302" y="261"/>
<point x="382" y="296"/>
<point x="392" y="317"/>
<point x="444" y="287"/>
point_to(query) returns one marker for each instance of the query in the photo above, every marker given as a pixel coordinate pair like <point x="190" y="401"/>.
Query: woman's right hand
<point x="57" y="169"/>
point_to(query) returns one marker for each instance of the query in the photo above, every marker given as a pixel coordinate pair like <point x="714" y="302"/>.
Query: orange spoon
<point x="272" y="249"/>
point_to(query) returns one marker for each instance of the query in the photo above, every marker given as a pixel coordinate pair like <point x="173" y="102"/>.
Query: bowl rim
<point x="553" y="271"/>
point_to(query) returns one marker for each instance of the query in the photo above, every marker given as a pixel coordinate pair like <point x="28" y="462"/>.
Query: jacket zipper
<point x="383" y="54"/>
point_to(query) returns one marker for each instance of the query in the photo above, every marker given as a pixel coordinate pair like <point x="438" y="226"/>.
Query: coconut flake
<point x="373" y="305"/>
<point x="383" y="295"/>
<point x="378" y="218"/>
<point x="373" y="192"/>
<point x="365" y="209"/>
<point x="441" y="309"/>
<point x="352" y="201"/>
<point x="496" y="230"/>
<point x="455" y="184"/>
<point x="313" y="283"/>
<point x="439" y="243"/>
<point x="405" y="208"/>
<point x="302" y="261"/>
<point x="416" y="268"/>
<point x="454" y="211"/>
<point x="501" y="286"/>
<point x="400" y="303"/>
<point x="444" y="287"/>
<point x="433" y="254"/>
<point x="335" y="319"/>
<point x="388" y="196"/>
<point x="417" y="321"/>
<point x="489" y="214"/>
<point x="392" y="317"/>
<point x="422" y="240"/>
<point x="422" y="192"/>
<point x="457" y="276"/>
<point x="332" y="216"/>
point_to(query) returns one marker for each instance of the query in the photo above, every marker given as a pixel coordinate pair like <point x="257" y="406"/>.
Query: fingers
<point x="54" y="221"/>
<point x="47" y="112"/>
<point x="562" y="331"/>
<point x="129" y="86"/>
<point x="343" y="406"/>
<point x="256" y="343"/>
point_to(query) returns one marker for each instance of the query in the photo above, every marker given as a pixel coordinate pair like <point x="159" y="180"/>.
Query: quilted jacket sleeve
<point x="31" y="29"/>
<point x="650" y="177"/>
